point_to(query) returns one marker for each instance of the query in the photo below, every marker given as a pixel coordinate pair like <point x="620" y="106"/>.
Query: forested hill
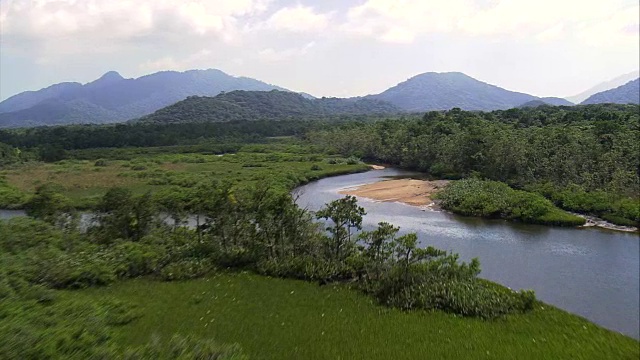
<point x="628" y="93"/>
<point x="444" y="91"/>
<point x="261" y="105"/>
<point x="552" y="101"/>
<point x="113" y="98"/>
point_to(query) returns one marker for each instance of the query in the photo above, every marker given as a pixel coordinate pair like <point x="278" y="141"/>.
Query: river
<point x="590" y="272"/>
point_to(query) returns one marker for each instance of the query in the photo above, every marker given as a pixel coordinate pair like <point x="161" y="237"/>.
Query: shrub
<point x="492" y="199"/>
<point x="186" y="269"/>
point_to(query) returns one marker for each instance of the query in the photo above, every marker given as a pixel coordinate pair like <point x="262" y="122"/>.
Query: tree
<point x="380" y="244"/>
<point x="124" y="216"/>
<point x="49" y="205"/>
<point x="345" y="215"/>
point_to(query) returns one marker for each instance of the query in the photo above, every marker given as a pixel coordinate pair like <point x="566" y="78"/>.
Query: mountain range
<point x="112" y="98"/>
<point x="604" y="86"/>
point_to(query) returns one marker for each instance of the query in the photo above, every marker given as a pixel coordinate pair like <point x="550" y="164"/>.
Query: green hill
<point x="263" y="105"/>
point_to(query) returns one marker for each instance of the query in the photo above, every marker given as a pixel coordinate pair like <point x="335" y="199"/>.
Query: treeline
<point x="567" y="154"/>
<point x="147" y="135"/>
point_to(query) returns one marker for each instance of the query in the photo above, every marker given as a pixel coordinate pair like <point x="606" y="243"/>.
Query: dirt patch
<point x="408" y="191"/>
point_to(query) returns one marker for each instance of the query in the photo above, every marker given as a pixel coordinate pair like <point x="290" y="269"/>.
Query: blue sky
<point x="326" y="48"/>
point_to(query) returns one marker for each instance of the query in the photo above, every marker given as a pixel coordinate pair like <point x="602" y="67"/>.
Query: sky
<point x="325" y="48"/>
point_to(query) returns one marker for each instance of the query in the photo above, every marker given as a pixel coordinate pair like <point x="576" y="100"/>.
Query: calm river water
<point x="591" y="272"/>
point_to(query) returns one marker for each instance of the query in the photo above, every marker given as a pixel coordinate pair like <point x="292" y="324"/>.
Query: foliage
<point x="263" y="105"/>
<point x="474" y="197"/>
<point x="593" y="147"/>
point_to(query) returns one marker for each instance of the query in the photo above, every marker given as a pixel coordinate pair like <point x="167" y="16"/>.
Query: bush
<point x="186" y="269"/>
<point x="131" y="259"/>
<point x="492" y="199"/>
<point x="75" y="270"/>
<point x="458" y="292"/>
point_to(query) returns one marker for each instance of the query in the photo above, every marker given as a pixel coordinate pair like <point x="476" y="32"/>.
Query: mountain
<point x="263" y="105"/>
<point x="443" y="91"/>
<point x="552" y="101"/>
<point x="112" y="98"/>
<point x="28" y="99"/>
<point x="607" y="85"/>
<point x="628" y="93"/>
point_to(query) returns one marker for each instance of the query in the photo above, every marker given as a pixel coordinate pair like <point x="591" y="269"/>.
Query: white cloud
<point x="402" y="21"/>
<point x="298" y="19"/>
<point x="270" y="54"/>
<point x="194" y="60"/>
<point x="106" y="22"/>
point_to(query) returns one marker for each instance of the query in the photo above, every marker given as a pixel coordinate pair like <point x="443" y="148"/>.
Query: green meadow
<point x="85" y="178"/>
<point x="288" y="319"/>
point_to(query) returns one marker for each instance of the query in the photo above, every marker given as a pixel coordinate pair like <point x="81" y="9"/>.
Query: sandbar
<point x="408" y="191"/>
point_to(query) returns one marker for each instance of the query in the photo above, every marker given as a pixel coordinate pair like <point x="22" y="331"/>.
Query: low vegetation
<point x="274" y="318"/>
<point x="86" y="177"/>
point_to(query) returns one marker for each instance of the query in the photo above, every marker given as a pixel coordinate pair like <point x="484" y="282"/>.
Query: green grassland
<point x="85" y="181"/>
<point x="288" y="319"/>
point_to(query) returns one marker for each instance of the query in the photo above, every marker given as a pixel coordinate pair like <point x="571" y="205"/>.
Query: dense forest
<point x="584" y="158"/>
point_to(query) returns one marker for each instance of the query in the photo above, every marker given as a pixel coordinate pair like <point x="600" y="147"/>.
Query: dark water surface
<point x="591" y="272"/>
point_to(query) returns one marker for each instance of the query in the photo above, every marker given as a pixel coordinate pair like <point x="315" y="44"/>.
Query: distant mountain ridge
<point x="628" y="93"/>
<point x="263" y="105"/>
<point x="443" y="91"/>
<point x="112" y="98"/>
<point x="607" y="85"/>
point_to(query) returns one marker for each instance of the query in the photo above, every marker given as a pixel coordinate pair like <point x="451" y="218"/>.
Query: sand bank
<point x="408" y="191"/>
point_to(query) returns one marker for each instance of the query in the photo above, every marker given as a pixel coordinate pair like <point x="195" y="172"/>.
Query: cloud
<point x="298" y="19"/>
<point x="403" y="21"/>
<point x="194" y="60"/>
<point x="272" y="55"/>
<point x="108" y="22"/>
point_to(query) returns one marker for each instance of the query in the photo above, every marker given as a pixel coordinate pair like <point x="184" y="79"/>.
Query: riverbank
<point x="593" y="221"/>
<point x="407" y="191"/>
<point x="420" y="193"/>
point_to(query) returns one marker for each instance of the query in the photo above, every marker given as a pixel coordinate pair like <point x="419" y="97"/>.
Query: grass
<point x="288" y="319"/>
<point x="84" y="182"/>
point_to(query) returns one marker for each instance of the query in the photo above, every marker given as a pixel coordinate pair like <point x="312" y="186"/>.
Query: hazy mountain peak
<point x="108" y="77"/>
<point x="443" y="91"/>
<point x="628" y="93"/>
<point x="603" y="86"/>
